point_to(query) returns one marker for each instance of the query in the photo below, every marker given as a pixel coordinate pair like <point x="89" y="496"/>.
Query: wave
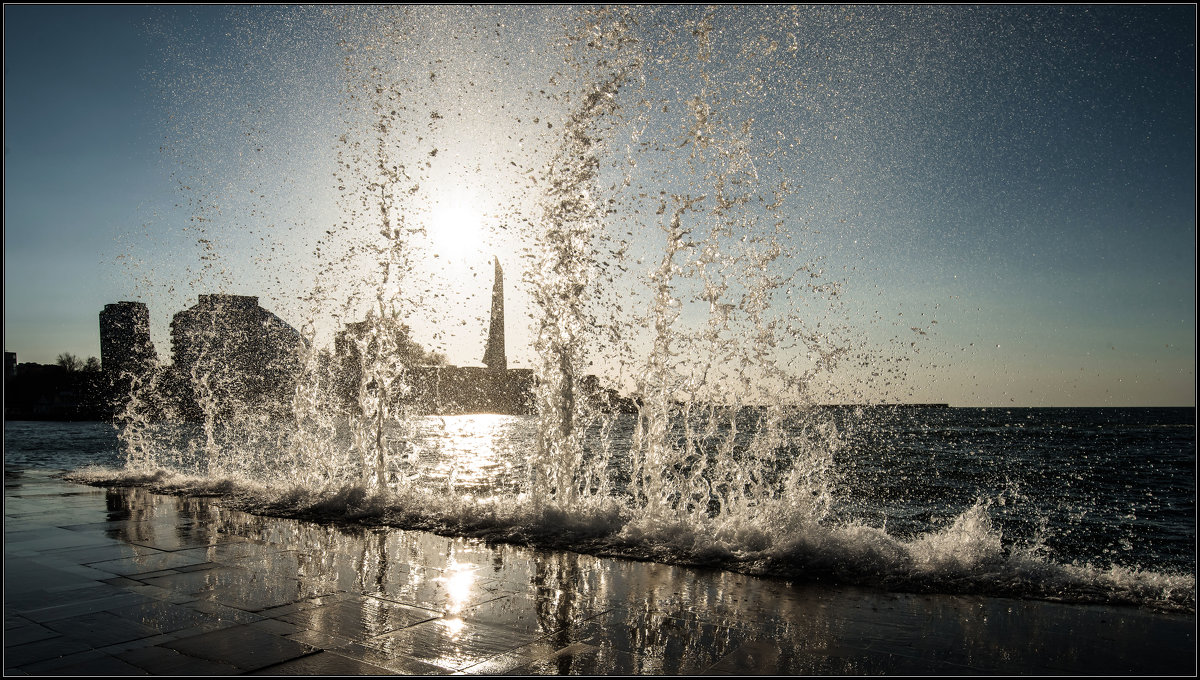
<point x="966" y="556"/>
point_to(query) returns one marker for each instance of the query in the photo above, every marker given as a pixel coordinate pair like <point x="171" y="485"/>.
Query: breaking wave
<point x="966" y="556"/>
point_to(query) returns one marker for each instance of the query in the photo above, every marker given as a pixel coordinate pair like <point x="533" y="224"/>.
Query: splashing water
<point x="665" y="257"/>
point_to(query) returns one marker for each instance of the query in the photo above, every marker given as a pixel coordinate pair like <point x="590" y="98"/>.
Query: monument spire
<point x="493" y="355"/>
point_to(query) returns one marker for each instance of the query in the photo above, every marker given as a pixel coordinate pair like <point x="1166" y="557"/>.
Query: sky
<point x="982" y="206"/>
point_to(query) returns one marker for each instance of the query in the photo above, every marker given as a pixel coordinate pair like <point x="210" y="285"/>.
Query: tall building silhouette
<point x="239" y="349"/>
<point x="125" y="345"/>
<point x="493" y="356"/>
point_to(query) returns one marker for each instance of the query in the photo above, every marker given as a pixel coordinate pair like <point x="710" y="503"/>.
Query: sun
<point x="456" y="230"/>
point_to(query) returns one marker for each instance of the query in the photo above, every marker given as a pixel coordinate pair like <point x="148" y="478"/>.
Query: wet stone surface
<point x="127" y="582"/>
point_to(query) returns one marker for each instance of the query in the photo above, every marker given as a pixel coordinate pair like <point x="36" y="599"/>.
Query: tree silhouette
<point x="69" y="362"/>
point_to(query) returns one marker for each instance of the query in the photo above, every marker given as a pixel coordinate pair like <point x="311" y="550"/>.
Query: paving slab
<point x="326" y="664"/>
<point x="243" y="647"/>
<point x="18" y="656"/>
<point x="359" y="618"/>
<point x="129" y="582"/>
<point x="157" y="660"/>
<point x="27" y="632"/>
<point x="86" y="663"/>
<point x="101" y="628"/>
<point x="451" y="644"/>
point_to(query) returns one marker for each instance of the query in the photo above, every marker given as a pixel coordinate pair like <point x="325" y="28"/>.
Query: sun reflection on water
<point x="459" y="583"/>
<point x="476" y="454"/>
<point x="453" y="626"/>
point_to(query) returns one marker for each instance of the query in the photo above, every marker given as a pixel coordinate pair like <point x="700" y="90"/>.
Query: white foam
<point x="965" y="556"/>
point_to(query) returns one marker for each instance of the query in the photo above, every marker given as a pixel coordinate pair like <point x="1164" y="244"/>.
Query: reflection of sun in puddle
<point x="459" y="584"/>
<point x="453" y="627"/>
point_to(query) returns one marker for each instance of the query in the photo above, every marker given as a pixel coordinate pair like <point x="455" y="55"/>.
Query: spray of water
<point x="667" y="261"/>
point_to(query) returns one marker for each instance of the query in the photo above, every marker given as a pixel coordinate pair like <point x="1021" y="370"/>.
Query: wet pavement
<point x="128" y="582"/>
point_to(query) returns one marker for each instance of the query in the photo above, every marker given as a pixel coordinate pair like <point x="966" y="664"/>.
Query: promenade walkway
<point x="128" y="582"/>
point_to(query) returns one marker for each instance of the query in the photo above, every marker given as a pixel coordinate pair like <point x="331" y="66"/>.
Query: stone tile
<point x="239" y="588"/>
<point x="16" y="656"/>
<point x="273" y="560"/>
<point x="222" y="612"/>
<point x="30" y="581"/>
<point x="523" y="657"/>
<point x="156" y="593"/>
<point x="163" y="661"/>
<point x="275" y="627"/>
<point x="227" y="552"/>
<point x="200" y="581"/>
<point x="759" y="657"/>
<point x="583" y="659"/>
<point x="255" y="596"/>
<point x="164" y="617"/>
<point x="359" y="618"/>
<point x="88" y="606"/>
<point x="27" y="632"/>
<point x="196" y="567"/>
<point x="85" y="571"/>
<point x="782" y="657"/>
<point x="102" y="628"/>
<point x="123" y="582"/>
<point x="90" y="664"/>
<point x="434" y="589"/>
<point x="519" y="612"/>
<point x="50" y="538"/>
<point x="145" y="642"/>
<point x="98" y="527"/>
<point x="396" y="663"/>
<point x="326" y="664"/>
<point x="241" y="646"/>
<point x="502" y="664"/>
<point x="172" y="541"/>
<point x="14" y="620"/>
<point x="298" y="606"/>
<point x="148" y="576"/>
<point x="51" y="566"/>
<point x="52" y="592"/>
<point x="146" y="564"/>
<point x="661" y="644"/>
<point x="319" y="640"/>
<point x="452" y="644"/>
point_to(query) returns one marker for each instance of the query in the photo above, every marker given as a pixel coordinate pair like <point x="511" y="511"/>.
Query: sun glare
<point x="455" y="230"/>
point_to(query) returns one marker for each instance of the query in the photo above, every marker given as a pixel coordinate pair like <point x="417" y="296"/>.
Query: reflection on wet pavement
<point x="124" y="581"/>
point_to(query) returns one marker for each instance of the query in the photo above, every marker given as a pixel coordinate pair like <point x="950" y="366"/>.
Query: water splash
<point x="667" y="260"/>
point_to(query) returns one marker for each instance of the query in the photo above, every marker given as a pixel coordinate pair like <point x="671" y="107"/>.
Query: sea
<point x="1086" y="505"/>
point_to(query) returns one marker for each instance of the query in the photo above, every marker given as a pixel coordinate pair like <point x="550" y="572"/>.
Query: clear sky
<point x="1002" y="197"/>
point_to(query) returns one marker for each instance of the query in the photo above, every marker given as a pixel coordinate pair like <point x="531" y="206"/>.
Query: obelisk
<point x="493" y="355"/>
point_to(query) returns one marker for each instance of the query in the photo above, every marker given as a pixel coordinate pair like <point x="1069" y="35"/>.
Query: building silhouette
<point x="429" y="384"/>
<point x="493" y="354"/>
<point x="229" y="352"/>
<point x="125" y="346"/>
<point x="230" y="355"/>
<point x="362" y="349"/>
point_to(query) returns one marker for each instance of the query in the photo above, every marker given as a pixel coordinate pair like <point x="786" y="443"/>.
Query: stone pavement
<point x="128" y="582"/>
